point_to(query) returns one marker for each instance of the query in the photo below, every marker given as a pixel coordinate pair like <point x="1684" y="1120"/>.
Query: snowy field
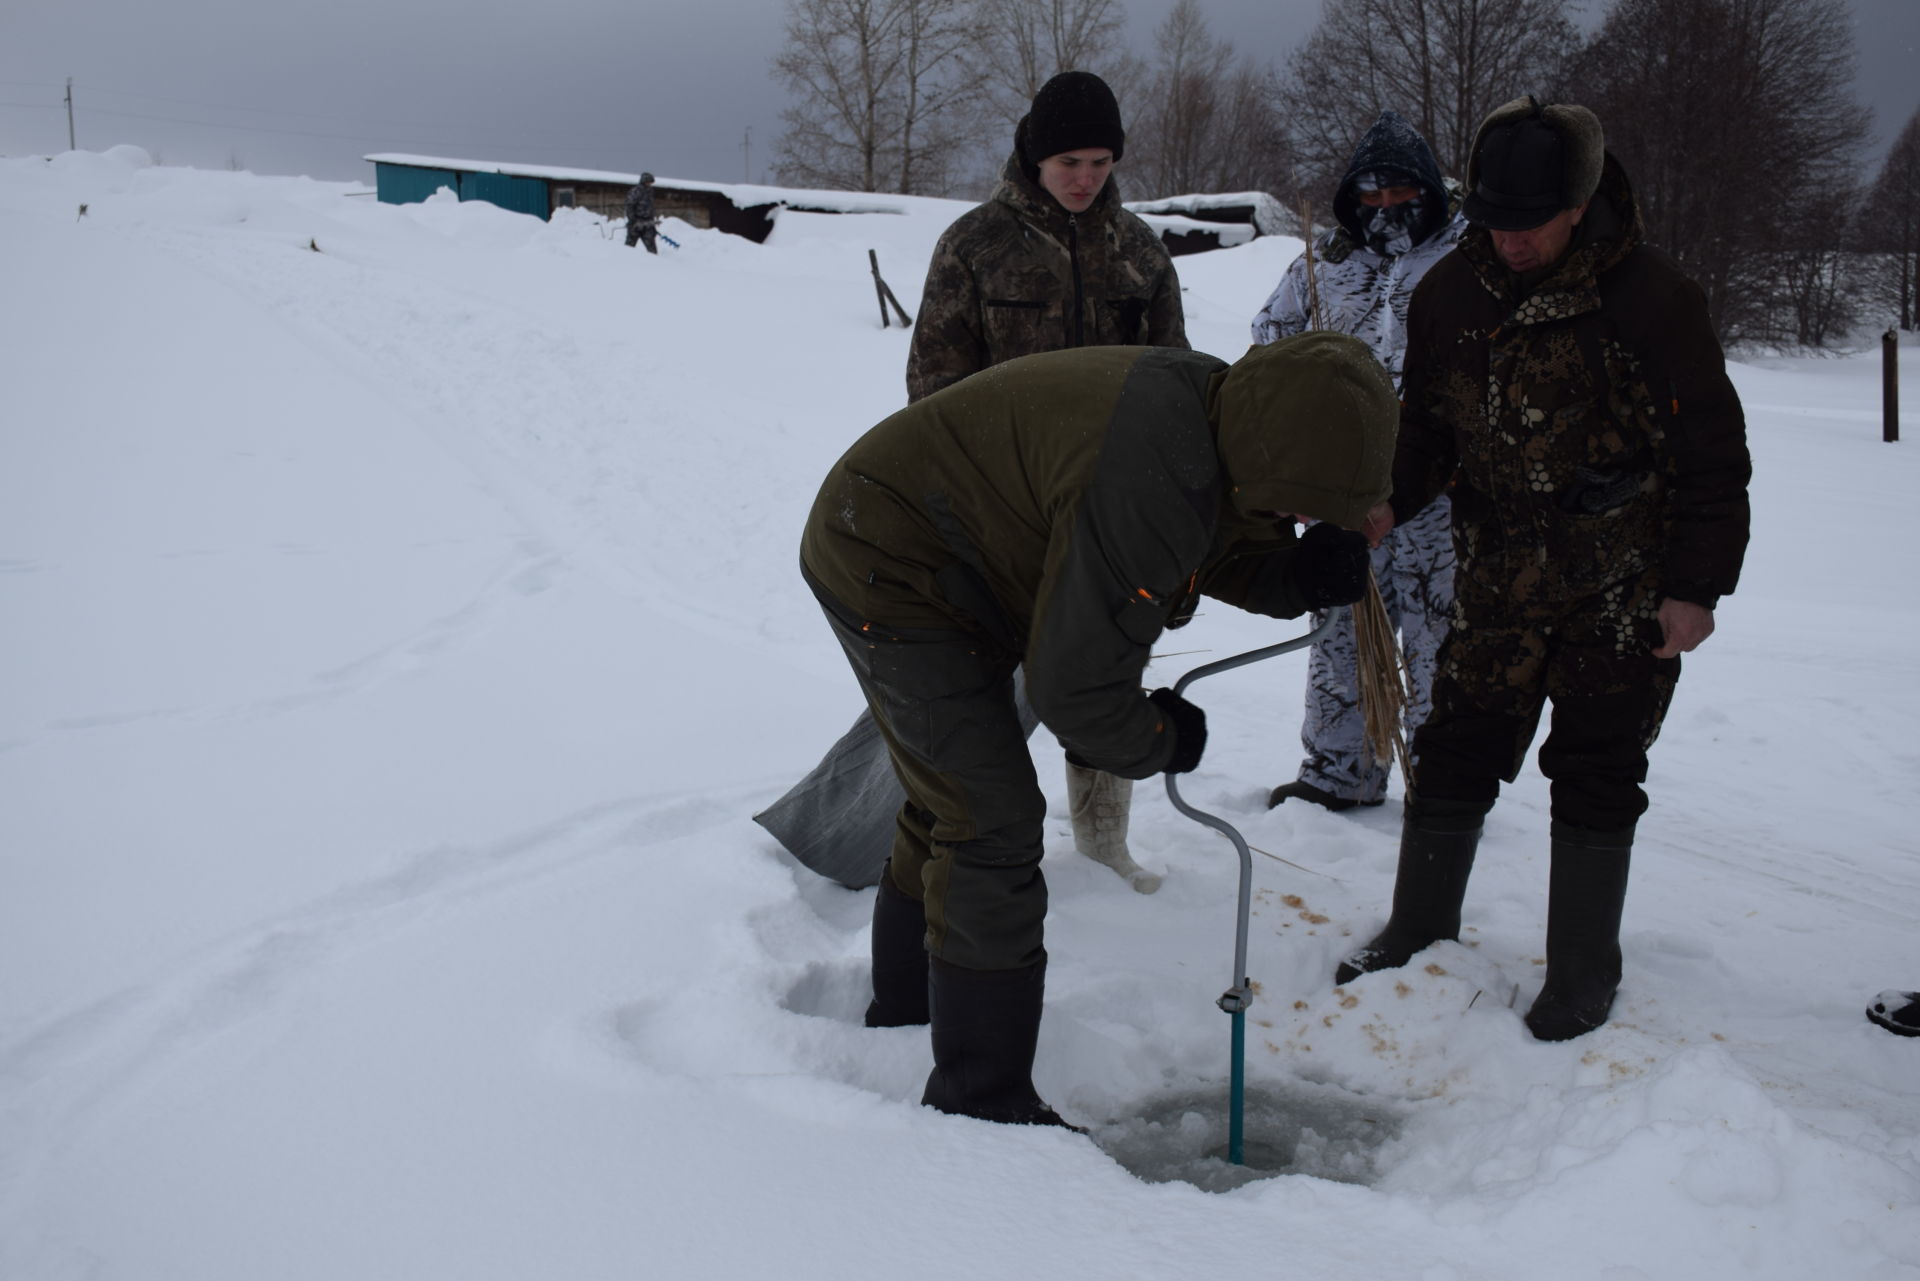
<point x="399" y="622"/>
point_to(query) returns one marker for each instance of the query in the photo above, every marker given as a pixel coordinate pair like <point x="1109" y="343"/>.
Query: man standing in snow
<point x="1393" y="219"/>
<point x="1568" y="381"/>
<point x="1056" y="513"/>
<point x="641" y="224"/>
<point x="1053" y="261"/>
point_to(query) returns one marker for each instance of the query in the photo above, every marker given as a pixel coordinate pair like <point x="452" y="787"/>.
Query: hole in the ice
<point x="1288" y="1129"/>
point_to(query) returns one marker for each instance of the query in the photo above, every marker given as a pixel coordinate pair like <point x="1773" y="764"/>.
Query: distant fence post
<point x="1890" y="383"/>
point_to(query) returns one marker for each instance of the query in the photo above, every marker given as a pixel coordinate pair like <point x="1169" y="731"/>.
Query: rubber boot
<point x="899" y="957"/>
<point x="1427" y="892"/>
<point x="986" y="1025"/>
<point x="1587" y="889"/>
<point x="1897" y="1011"/>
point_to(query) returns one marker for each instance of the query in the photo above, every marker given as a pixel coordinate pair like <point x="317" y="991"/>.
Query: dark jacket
<point x="640" y="203"/>
<point x="1590" y="419"/>
<point x="1020" y="275"/>
<point x="1064" y="508"/>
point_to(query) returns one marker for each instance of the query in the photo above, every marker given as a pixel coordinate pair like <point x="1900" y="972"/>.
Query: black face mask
<point x="1391" y="230"/>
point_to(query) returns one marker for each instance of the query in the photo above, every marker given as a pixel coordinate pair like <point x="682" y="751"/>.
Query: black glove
<point x="1189" y="729"/>
<point x="1330" y="566"/>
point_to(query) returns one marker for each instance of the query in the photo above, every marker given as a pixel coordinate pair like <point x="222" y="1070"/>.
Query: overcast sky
<point x="605" y="84"/>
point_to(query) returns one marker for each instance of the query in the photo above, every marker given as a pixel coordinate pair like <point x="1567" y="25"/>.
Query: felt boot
<point x="1099" y="804"/>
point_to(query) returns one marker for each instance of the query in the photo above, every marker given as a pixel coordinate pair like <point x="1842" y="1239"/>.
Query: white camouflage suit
<point x="1364" y="291"/>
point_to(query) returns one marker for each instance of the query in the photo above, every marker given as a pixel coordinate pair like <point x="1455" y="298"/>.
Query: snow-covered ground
<point x="399" y="622"/>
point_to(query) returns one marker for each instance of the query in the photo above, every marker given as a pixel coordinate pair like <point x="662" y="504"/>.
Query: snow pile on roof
<point x="743" y="195"/>
<point x="1269" y="216"/>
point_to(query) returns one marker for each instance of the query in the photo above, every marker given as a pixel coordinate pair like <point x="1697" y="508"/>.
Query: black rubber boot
<point x="986" y="1024"/>
<point x="1318" y="795"/>
<point x="899" y="957"/>
<point x="1427" y="892"/>
<point x="1588" y="889"/>
<point x="1897" y="1011"/>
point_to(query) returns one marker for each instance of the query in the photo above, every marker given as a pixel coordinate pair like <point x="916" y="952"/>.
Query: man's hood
<point x="1307" y="425"/>
<point x="1392" y="143"/>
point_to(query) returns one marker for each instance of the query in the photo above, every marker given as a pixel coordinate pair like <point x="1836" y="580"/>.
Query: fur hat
<point x="1529" y="162"/>
<point x="1073" y="110"/>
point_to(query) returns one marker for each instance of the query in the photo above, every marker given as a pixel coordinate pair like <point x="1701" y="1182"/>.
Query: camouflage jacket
<point x="640" y="203"/>
<point x="1020" y="275"/>
<point x="1359" y="292"/>
<point x="1595" y="434"/>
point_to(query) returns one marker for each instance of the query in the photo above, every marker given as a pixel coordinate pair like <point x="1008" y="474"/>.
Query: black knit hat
<point x="1072" y="111"/>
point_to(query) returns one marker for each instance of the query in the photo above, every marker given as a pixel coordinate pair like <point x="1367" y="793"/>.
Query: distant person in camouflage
<point x="1053" y="261"/>
<point x="1394" y="217"/>
<point x="1057" y="514"/>
<point x="1570" y="378"/>
<point x="642" y="226"/>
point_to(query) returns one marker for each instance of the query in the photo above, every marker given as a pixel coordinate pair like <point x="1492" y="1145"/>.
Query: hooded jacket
<point x="1020" y="275"/>
<point x="1589" y="416"/>
<point x="1064" y="508"/>
<point x="1357" y="289"/>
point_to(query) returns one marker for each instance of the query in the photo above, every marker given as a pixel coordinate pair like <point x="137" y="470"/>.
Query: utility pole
<point x="70" y="143"/>
<point x="746" y="156"/>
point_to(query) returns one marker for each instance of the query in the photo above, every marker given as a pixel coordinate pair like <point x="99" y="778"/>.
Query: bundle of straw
<point x="1315" y="313"/>
<point x="1383" y="679"/>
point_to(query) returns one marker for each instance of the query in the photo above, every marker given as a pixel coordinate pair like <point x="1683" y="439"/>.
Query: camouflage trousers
<point x="1414" y="567"/>
<point x="643" y="229"/>
<point x="1503" y="661"/>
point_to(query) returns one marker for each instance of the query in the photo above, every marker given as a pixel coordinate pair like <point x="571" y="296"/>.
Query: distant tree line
<point x="1735" y="120"/>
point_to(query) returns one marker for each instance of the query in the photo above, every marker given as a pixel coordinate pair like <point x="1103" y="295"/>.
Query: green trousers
<point x="968" y="840"/>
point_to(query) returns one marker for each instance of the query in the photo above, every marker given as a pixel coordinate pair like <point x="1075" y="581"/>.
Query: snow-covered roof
<point x="744" y="195"/>
<point x="1269" y="215"/>
<point x="1225" y="234"/>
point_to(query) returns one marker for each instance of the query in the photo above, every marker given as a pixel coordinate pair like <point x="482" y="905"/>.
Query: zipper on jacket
<point x="1079" y="335"/>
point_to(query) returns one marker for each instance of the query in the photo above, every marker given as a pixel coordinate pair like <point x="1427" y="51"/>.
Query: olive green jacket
<point x="1064" y="508"/>
<point x="1020" y="275"/>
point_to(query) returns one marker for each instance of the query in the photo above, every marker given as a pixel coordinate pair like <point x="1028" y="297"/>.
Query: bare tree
<point x="1025" y="43"/>
<point x="1734" y="118"/>
<point x="1889" y="231"/>
<point x="879" y="88"/>
<point x="1204" y="120"/>
<point x="1443" y="64"/>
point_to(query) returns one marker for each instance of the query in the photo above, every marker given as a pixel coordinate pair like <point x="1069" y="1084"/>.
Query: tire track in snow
<point x="523" y="402"/>
<point x="74" y="1062"/>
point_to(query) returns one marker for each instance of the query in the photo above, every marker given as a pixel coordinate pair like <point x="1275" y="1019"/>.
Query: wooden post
<point x="879" y="289"/>
<point x="1890" y="383"/>
<point x="886" y="294"/>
